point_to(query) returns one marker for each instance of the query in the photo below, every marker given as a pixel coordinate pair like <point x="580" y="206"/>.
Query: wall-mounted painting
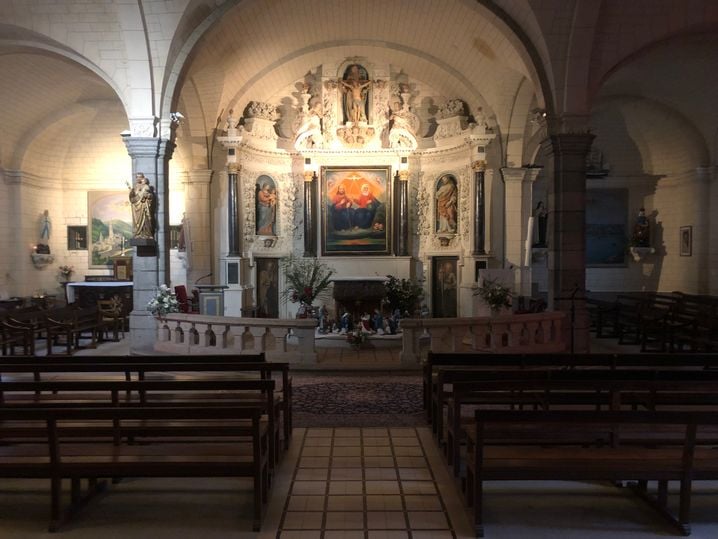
<point x="686" y="241"/>
<point x="267" y="287"/>
<point x="356" y="210"/>
<point x="266" y="206"/>
<point x="109" y="227"/>
<point x="606" y="232"/>
<point x="444" y="284"/>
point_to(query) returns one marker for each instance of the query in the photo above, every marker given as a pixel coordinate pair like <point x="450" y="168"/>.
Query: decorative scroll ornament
<point x="453" y="107"/>
<point x="262" y="111"/>
<point x="143" y="127"/>
<point x="308" y="124"/>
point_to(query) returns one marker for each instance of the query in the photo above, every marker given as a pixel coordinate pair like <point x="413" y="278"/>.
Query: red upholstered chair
<point x="182" y="299"/>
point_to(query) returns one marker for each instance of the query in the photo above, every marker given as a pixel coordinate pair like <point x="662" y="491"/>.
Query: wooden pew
<point x="215" y="441"/>
<point x="72" y="325"/>
<point x="537" y="458"/>
<point x="647" y="390"/>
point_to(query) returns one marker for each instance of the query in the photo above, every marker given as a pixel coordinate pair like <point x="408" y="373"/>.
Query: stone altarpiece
<point x="311" y="125"/>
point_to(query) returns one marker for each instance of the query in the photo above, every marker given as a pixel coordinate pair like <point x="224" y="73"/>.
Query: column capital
<point x="138" y="147"/>
<point x="479" y="165"/>
<point x="233" y="167"/>
<point x="519" y="174"/>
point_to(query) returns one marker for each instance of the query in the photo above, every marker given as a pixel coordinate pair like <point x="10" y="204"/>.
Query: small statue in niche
<point x="266" y="206"/>
<point x="355" y="85"/>
<point x="446" y="204"/>
<point x="541" y="216"/>
<point x="641" y="230"/>
<point x="231" y="122"/>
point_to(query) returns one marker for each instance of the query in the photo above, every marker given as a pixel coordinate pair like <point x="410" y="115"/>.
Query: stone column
<point x="151" y="263"/>
<point x="234" y="247"/>
<point x="567" y="232"/>
<point x="310" y="210"/>
<point x="518" y="195"/>
<point x="401" y="247"/>
<point x="197" y="223"/>
<point x="479" y="168"/>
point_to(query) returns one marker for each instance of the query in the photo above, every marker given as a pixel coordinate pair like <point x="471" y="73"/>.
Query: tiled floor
<point x="364" y="483"/>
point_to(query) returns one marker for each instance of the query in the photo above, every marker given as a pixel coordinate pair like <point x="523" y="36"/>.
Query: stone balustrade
<point x="207" y="335"/>
<point x="511" y="333"/>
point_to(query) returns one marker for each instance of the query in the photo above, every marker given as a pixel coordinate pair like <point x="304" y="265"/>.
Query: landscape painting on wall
<point x="109" y="227"/>
<point x="356" y="210"/>
<point x="606" y="232"/>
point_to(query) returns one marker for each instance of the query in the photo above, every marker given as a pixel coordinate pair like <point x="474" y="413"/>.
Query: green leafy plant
<point x="306" y="279"/>
<point x="403" y="294"/>
<point x="494" y="294"/>
<point x="358" y="338"/>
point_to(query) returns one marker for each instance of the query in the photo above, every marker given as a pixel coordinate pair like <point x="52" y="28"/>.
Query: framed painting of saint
<point x="447" y="201"/>
<point x="444" y="286"/>
<point x="109" y="227"/>
<point x="266" y="206"/>
<point x="356" y="210"/>
<point x="267" y="287"/>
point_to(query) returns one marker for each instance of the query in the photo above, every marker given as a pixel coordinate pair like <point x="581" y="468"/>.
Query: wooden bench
<point x="72" y="326"/>
<point x="232" y="378"/>
<point x="614" y="390"/>
<point x="434" y="393"/>
<point x="91" y="442"/>
<point x="537" y="458"/>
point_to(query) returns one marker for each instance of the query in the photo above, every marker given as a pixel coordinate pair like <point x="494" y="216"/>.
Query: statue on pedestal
<point x="142" y="200"/>
<point x="641" y="230"/>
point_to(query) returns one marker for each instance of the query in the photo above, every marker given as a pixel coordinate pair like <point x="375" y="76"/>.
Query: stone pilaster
<point x="567" y="231"/>
<point x="401" y="243"/>
<point x="479" y="168"/>
<point x="198" y="228"/>
<point x="234" y="245"/>
<point x="310" y="217"/>
<point x="151" y="266"/>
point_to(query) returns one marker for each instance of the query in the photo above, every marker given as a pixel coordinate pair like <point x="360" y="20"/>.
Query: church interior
<point x="223" y="178"/>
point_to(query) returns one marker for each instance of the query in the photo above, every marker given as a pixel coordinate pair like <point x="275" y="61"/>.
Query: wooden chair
<point x="111" y="317"/>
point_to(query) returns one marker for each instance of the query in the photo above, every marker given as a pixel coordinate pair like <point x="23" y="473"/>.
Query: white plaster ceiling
<point x="258" y="47"/>
<point x="680" y="74"/>
<point x="39" y="89"/>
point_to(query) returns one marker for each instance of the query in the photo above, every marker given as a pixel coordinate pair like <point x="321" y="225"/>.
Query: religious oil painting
<point x="444" y="286"/>
<point x="446" y="195"/>
<point x="266" y="206"/>
<point x="606" y="227"/>
<point x="356" y="211"/>
<point x="109" y="227"/>
<point x="267" y="287"/>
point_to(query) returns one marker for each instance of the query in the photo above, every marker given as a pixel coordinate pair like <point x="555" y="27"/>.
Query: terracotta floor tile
<point x="379" y="462"/>
<point x="314" y="462"/>
<point x="344" y="432"/>
<point x="345" y="503"/>
<point x="428" y="520"/>
<point x="318" y="451"/>
<point x="351" y="441"/>
<point x="386" y="520"/>
<point x="291" y="534"/>
<point x="306" y="503"/>
<point x="314" y="432"/>
<point x="418" y="487"/>
<point x="388" y="534"/>
<point x="383" y="502"/>
<point x="343" y="534"/>
<point x="377" y="441"/>
<point x="346" y="462"/>
<point x="377" y="474"/>
<point x="346" y="474"/>
<point x="345" y="520"/>
<point x="422" y="503"/>
<point x="311" y="474"/>
<point x="408" y="451"/>
<point x="378" y="451"/>
<point x="302" y="521"/>
<point x="345" y="487"/>
<point x="309" y="488"/>
<point x="346" y="451"/>
<point x="382" y="487"/>
<point x="415" y="474"/>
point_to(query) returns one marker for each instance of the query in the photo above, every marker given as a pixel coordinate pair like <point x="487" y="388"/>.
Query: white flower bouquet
<point x="163" y="303"/>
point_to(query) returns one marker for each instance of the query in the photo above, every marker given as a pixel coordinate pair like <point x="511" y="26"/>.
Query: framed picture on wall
<point x="356" y="210"/>
<point x="109" y="227"/>
<point x="606" y="227"/>
<point x="267" y="287"/>
<point x="686" y="241"/>
<point x="444" y="286"/>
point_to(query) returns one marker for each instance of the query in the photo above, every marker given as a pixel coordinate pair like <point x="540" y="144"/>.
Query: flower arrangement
<point x="306" y="279"/>
<point x="164" y="302"/>
<point x="357" y="338"/>
<point x="494" y="294"/>
<point x="66" y="271"/>
<point x="403" y="294"/>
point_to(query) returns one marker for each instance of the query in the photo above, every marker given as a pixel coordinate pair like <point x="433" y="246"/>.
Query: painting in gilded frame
<point x="109" y="227"/>
<point x="356" y="211"/>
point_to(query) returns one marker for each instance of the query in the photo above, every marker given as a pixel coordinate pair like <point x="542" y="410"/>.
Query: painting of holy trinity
<point x="356" y="210"/>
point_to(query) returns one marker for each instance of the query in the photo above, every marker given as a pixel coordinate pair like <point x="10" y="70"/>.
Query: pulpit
<point x="211" y="299"/>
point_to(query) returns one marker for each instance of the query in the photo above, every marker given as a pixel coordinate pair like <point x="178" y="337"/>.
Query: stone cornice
<point x="28" y="179"/>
